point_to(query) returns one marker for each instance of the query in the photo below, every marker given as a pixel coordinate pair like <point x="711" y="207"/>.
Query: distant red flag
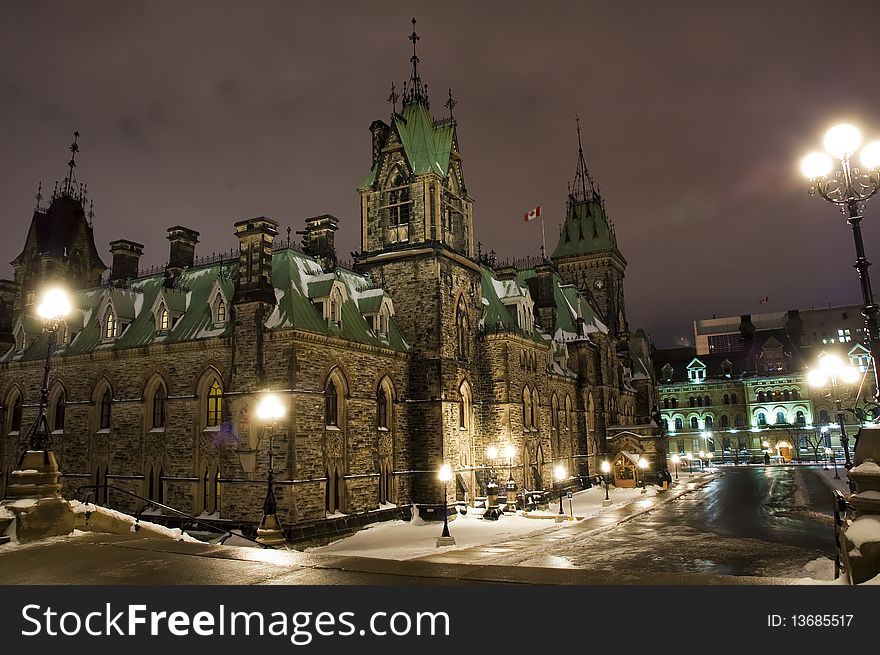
<point x="535" y="213"/>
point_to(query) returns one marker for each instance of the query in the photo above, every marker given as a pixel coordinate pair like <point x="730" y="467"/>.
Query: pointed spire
<point x="415" y="91"/>
<point x="583" y="188"/>
<point x="450" y="104"/>
<point x="68" y="187"/>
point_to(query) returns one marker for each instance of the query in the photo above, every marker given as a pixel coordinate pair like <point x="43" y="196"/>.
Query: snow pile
<point x="868" y="468"/>
<point x="821" y="568"/>
<point x="864" y="529"/>
<point x="172" y="533"/>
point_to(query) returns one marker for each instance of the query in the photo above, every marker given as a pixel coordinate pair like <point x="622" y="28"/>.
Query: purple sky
<point x="694" y="117"/>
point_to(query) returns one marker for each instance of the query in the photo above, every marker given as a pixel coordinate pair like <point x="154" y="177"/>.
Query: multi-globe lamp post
<point x="833" y="380"/>
<point x="269" y="411"/>
<point x="835" y="179"/>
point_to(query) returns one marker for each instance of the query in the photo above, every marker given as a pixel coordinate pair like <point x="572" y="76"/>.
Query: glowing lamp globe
<point x="816" y="164"/>
<point x="559" y="472"/>
<point x="643" y="463"/>
<point x="702" y="454"/>
<point x="849" y="375"/>
<point x="606" y="467"/>
<point x="491" y="452"/>
<point x="270" y="408"/>
<point x="870" y="155"/>
<point x="676" y="459"/>
<point x="842" y="140"/>
<point x="831" y="364"/>
<point x="817" y="378"/>
<point x="54" y="304"/>
<point x="509" y="451"/>
<point x="445" y="473"/>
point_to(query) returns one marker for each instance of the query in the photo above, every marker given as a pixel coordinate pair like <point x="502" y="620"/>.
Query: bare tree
<point x="812" y="437"/>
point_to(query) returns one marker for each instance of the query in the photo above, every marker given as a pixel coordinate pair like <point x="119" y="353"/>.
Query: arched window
<point x="786" y="395"/>
<point x="665" y="424"/>
<point x="800" y="418"/>
<point x="666" y="403"/>
<point x="725" y="422"/>
<point x="692" y="402"/>
<point x="382" y="403"/>
<point x="740" y="421"/>
<point x="215" y="405"/>
<point x="164" y="321"/>
<point x="464" y="407"/>
<point x="335" y="307"/>
<point x="695" y="424"/>
<point x="15" y="415"/>
<point x="158" y="408"/>
<point x="709" y="422"/>
<point x="461" y="331"/>
<point x="762" y="397"/>
<point x="707" y="401"/>
<point x="567" y="417"/>
<point x="331" y="404"/>
<point x="679" y="423"/>
<point x="398" y="202"/>
<point x="554" y="413"/>
<point x="823" y="416"/>
<point x="733" y="399"/>
<point x="527" y="409"/>
<point x="535" y="420"/>
<point x="221" y="309"/>
<point x="111" y="326"/>
<point x="795" y="394"/>
<point x="780" y="418"/>
<point x="762" y="418"/>
<point x="104" y="410"/>
<point x="58" y="410"/>
<point x="674" y="403"/>
<point x="699" y="401"/>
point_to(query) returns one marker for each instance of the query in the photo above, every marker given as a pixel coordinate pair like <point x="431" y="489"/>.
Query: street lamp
<point x="606" y="469"/>
<point x="643" y="464"/>
<point x="834" y="381"/>
<point x="560" y="474"/>
<point x="510" y="453"/>
<point x="709" y="456"/>
<point x="493" y="512"/>
<point x="445" y="475"/>
<point x="53" y="308"/>
<point x="849" y="188"/>
<point x="702" y="463"/>
<point x="675" y="460"/>
<point x="833" y="462"/>
<point x="269" y="411"/>
<point x="690" y="458"/>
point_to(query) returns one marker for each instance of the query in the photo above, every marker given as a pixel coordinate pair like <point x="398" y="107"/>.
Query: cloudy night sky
<point x="694" y="118"/>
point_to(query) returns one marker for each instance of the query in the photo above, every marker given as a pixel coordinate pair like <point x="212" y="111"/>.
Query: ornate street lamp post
<point x="270" y="410"/>
<point x="643" y="464"/>
<point x="849" y="188"/>
<point x="510" y="453"/>
<point x="606" y="470"/>
<point x="834" y="381"/>
<point x="53" y="308"/>
<point x="445" y="475"/>
<point x="560" y="474"/>
<point x="675" y="460"/>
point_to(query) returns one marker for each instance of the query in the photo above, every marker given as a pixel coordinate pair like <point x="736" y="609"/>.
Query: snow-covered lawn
<point x="407" y="540"/>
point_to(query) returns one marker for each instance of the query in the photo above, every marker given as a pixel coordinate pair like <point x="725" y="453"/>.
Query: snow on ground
<point x="172" y="533"/>
<point x="408" y="540"/>
<point x="841" y="484"/>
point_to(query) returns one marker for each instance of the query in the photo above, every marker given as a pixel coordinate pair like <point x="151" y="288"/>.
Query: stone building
<point x="752" y="397"/>
<point x="422" y="351"/>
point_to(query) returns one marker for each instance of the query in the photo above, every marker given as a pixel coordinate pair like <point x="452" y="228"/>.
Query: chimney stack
<point x="319" y="240"/>
<point x="126" y="256"/>
<point x="794" y="326"/>
<point x="746" y="327"/>
<point x="183" y="247"/>
<point x="255" y="237"/>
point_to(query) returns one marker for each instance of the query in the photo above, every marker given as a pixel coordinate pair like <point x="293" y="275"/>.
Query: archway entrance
<point x="783" y="448"/>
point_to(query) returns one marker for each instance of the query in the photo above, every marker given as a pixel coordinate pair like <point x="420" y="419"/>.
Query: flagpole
<point x="543" y="243"/>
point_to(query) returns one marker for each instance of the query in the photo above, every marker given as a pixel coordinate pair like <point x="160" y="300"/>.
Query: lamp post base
<point x="606" y="503"/>
<point x="270" y="532"/>
<point x="445" y="541"/>
<point x="46" y="514"/>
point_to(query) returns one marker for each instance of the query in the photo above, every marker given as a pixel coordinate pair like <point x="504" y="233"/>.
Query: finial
<point x="39" y="195"/>
<point x="417" y="91"/>
<point x="288" y="236"/>
<point x="392" y="98"/>
<point x="70" y="180"/>
<point x="450" y="104"/>
<point x="582" y="177"/>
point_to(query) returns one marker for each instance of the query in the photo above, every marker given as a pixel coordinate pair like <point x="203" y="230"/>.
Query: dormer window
<point x="221" y="310"/>
<point x="727" y="368"/>
<point x="335" y="307"/>
<point x="164" y="322"/>
<point x="696" y="371"/>
<point x="666" y="370"/>
<point x="111" y="324"/>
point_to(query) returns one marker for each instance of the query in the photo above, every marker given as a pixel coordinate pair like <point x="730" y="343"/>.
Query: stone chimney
<point x="126" y="256"/>
<point x="183" y="247"/>
<point x="541" y="290"/>
<point x="319" y="239"/>
<point x="255" y="237"/>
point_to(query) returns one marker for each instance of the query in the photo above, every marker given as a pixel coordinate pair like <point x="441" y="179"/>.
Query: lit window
<point x="221" y="310"/>
<point x="111" y="325"/>
<point x="215" y="405"/>
<point x="163" y="319"/>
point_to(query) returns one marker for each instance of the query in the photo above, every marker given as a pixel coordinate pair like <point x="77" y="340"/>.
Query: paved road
<point x="750" y="521"/>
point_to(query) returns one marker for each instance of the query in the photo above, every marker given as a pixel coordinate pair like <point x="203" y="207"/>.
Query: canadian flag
<point x="535" y="213"/>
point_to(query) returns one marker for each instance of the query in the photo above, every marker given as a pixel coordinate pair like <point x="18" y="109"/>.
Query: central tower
<point x="417" y="242"/>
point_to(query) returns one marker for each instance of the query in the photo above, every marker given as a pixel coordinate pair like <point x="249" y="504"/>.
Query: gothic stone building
<point x="420" y="353"/>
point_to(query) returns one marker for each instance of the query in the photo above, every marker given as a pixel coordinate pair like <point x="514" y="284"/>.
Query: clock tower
<point x="587" y="254"/>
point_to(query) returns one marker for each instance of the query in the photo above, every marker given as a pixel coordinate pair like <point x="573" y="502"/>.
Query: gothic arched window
<point x="398" y="202"/>
<point x="215" y="405"/>
<point x="111" y="326"/>
<point x="725" y="422"/>
<point x="158" y="408"/>
<point x="58" y="412"/>
<point x="331" y="404"/>
<point x="461" y="331"/>
<point x="679" y="423"/>
<point x="104" y="410"/>
<point x="382" y="408"/>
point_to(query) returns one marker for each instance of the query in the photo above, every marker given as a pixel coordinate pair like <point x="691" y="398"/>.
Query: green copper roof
<point x="426" y="144"/>
<point x="586" y="231"/>
<point x="293" y="274"/>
